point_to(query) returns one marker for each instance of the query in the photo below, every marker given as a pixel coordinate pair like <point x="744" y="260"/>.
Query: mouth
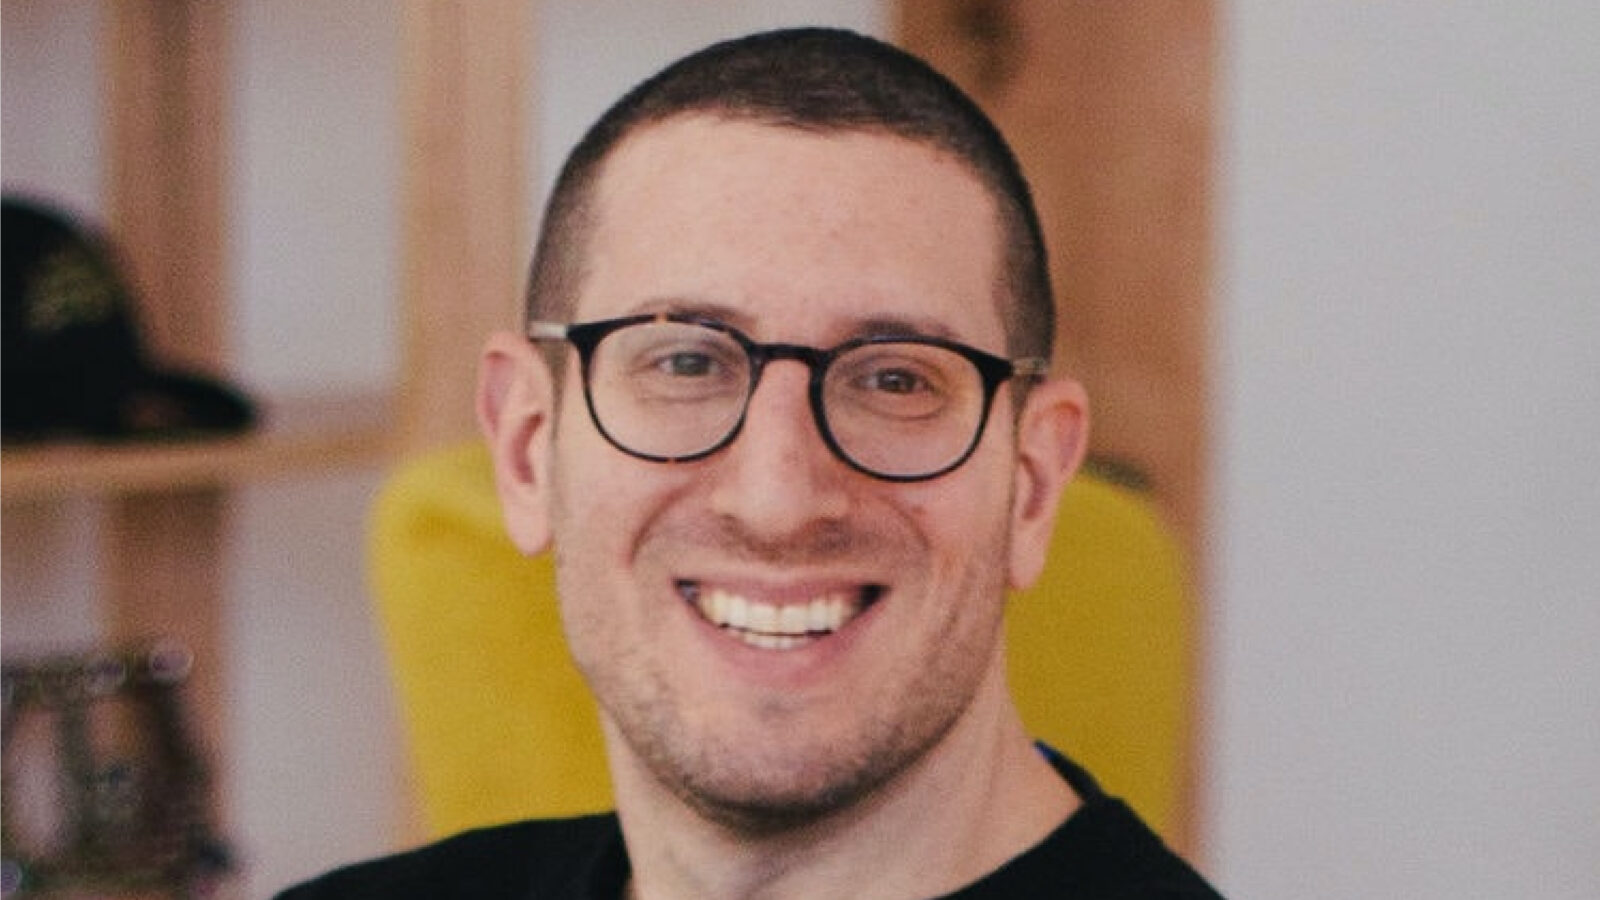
<point x="778" y="626"/>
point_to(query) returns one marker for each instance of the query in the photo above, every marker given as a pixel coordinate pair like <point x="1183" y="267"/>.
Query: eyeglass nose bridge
<point x="816" y="362"/>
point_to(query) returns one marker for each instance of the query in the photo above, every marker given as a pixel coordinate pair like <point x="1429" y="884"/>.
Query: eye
<point x="686" y="364"/>
<point x="894" y="381"/>
<point x="902" y="382"/>
<point x="682" y="365"/>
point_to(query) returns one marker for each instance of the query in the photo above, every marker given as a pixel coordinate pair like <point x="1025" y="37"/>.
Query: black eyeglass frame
<point x="992" y="370"/>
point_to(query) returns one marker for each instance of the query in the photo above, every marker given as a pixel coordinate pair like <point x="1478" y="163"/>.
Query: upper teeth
<point x="820" y="615"/>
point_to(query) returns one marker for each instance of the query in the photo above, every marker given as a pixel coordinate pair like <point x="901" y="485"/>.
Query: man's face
<point x="807" y="239"/>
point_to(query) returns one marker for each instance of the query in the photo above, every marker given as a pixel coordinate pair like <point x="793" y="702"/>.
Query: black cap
<point x="73" y="362"/>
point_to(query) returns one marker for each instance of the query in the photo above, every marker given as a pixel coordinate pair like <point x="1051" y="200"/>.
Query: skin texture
<point x="743" y="771"/>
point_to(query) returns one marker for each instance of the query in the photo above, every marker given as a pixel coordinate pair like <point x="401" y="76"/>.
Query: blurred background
<point x="1331" y="272"/>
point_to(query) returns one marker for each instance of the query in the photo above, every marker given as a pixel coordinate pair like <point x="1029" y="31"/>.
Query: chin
<point x="773" y="806"/>
<point x="771" y="784"/>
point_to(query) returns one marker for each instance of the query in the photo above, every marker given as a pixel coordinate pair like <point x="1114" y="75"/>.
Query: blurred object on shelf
<point x="106" y="790"/>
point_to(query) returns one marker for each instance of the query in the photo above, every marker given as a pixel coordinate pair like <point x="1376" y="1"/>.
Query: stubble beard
<point x="789" y="779"/>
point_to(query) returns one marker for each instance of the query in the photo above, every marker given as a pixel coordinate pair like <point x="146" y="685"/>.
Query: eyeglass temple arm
<point x="547" y="331"/>
<point x="1030" y="367"/>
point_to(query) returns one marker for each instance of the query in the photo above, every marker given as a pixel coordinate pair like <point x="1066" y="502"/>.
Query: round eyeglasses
<point x="675" y="388"/>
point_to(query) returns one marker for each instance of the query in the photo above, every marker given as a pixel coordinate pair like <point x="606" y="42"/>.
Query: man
<point x="784" y="420"/>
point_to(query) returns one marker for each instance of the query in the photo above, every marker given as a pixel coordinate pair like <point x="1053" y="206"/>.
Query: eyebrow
<point x="867" y="327"/>
<point x="901" y="326"/>
<point x="688" y="306"/>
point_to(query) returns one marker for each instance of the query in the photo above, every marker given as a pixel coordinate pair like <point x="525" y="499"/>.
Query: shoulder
<point x="549" y="857"/>
<point x="1103" y="852"/>
<point x="1110" y="847"/>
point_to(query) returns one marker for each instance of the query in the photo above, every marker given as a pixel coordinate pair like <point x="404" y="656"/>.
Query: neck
<point x="977" y="798"/>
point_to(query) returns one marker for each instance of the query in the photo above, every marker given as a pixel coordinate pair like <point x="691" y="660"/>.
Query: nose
<point x="778" y="478"/>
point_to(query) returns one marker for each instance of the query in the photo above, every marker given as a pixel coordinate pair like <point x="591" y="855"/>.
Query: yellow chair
<point x="501" y="726"/>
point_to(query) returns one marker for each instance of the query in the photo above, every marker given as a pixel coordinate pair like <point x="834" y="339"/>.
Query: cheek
<point x="964" y="509"/>
<point x="972" y="530"/>
<point x="589" y="530"/>
<point x="601" y="624"/>
<point x="589" y="477"/>
<point x="604" y="504"/>
<point x="589" y="621"/>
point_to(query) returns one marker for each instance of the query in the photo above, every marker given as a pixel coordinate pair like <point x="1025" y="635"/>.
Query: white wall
<point x="1408" y="527"/>
<point x="315" y="238"/>
<point x="50" y="134"/>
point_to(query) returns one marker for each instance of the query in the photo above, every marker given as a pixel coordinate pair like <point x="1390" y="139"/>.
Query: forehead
<point x="794" y="235"/>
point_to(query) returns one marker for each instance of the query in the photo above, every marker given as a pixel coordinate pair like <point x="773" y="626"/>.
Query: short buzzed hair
<point x="823" y="81"/>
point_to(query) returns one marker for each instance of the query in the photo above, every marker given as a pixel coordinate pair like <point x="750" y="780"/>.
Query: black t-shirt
<point x="1102" y="852"/>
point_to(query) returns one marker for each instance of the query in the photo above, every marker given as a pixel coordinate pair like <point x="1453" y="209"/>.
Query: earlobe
<point x="1052" y="438"/>
<point x="515" y="404"/>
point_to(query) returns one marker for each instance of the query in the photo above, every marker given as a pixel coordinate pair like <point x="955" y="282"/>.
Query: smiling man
<point x="782" y="412"/>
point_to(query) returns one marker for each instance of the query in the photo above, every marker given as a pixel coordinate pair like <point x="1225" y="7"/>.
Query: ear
<point x="1052" y="438"/>
<point x="515" y="407"/>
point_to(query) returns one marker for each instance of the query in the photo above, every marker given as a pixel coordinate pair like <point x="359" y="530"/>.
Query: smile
<point x="768" y="626"/>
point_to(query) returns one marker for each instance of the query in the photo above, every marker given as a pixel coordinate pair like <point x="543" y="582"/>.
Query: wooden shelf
<point x="298" y="436"/>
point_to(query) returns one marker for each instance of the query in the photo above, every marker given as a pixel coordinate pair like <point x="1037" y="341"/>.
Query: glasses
<point x="675" y="388"/>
